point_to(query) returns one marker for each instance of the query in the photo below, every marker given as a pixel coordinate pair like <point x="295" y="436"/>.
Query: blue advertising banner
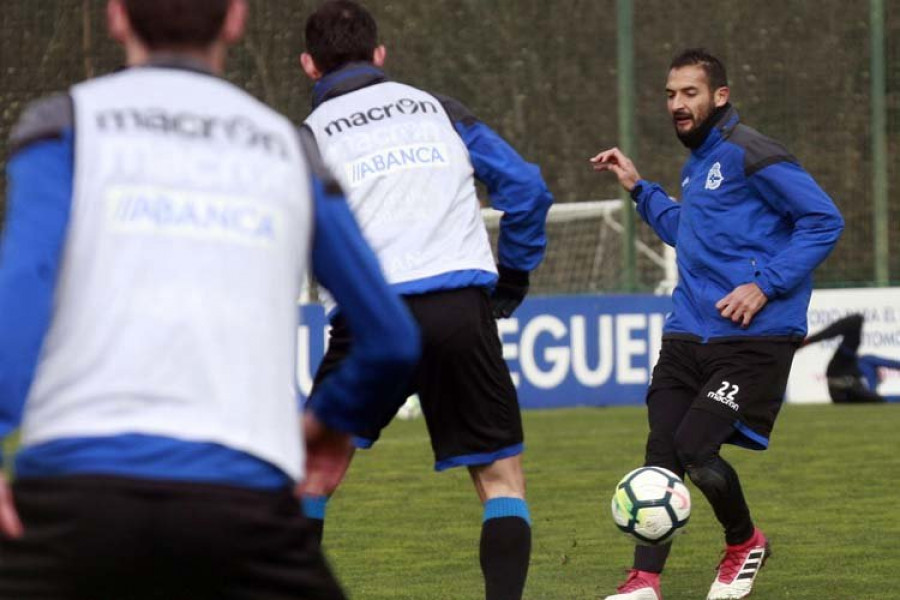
<point x="561" y="350"/>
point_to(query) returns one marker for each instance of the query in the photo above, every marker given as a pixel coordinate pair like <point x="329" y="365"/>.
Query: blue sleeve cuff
<point x="638" y="190"/>
<point x="765" y="284"/>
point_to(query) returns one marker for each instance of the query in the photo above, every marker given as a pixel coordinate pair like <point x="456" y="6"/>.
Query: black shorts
<point x="468" y="399"/>
<point x="113" y="538"/>
<point x="743" y="381"/>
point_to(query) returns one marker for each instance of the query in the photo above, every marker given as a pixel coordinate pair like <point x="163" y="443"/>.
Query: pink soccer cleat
<point x="640" y="585"/>
<point x="738" y="569"/>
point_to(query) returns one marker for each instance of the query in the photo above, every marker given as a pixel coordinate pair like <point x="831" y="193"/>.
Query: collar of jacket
<point x="348" y="78"/>
<point x="172" y="60"/>
<point x="169" y="60"/>
<point x="721" y="130"/>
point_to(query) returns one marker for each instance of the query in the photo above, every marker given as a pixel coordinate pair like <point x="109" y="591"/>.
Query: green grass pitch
<point x="827" y="494"/>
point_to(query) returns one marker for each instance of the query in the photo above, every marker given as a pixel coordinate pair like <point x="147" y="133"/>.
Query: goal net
<point x="585" y="251"/>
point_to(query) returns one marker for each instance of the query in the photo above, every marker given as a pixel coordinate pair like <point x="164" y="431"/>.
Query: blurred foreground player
<point x="853" y="378"/>
<point x="751" y="227"/>
<point x="408" y="160"/>
<point x="161" y="221"/>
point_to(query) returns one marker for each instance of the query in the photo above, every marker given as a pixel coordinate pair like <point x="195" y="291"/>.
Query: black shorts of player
<point x="113" y="538"/>
<point x="742" y="381"/>
<point x="468" y="399"/>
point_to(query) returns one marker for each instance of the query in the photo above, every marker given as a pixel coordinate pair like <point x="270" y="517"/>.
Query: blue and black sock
<point x="505" y="548"/>
<point x="314" y="510"/>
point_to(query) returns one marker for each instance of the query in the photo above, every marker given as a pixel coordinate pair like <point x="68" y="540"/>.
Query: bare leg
<point x="506" y="530"/>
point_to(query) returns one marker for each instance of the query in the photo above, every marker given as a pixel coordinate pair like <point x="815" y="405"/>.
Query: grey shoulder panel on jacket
<point x="457" y="111"/>
<point x="760" y="151"/>
<point x="43" y="119"/>
<point x="314" y="159"/>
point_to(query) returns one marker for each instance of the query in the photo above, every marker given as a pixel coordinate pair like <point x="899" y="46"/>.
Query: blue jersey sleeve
<point x="371" y="382"/>
<point x="514" y="186"/>
<point x="817" y="224"/>
<point x="880" y="361"/>
<point x="658" y="210"/>
<point x="39" y="197"/>
<point x="517" y="189"/>
<point x="869" y="364"/>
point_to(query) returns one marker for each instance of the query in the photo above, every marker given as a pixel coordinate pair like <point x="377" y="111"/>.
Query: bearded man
<point x="750" y="228"/>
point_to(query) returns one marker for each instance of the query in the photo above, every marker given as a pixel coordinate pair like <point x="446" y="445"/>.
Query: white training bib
<point x="408" y="177"/>
<point x="189" y="237"/>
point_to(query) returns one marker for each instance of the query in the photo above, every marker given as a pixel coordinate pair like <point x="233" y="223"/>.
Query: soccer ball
<point x="411" y="409"/>
<point x="651" y="504"/>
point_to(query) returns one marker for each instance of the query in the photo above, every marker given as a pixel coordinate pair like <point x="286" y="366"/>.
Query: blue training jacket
<point x="748" y="213"/>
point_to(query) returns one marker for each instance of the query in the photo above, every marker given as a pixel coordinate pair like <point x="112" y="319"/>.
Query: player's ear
<point x="309" y="66"/>
<point x="235" y="21"/>
<point x="721" y="95"/>
<point x="379" y="55"/>
<point x="117" y="21"/>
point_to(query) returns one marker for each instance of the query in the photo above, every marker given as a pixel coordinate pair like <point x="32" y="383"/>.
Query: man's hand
<point x="512" y="287"/>
<point x="613" y="160"/>
<point x="742" y="304"/>
<point x="328" y="455"/>
<point x="10" y="525"/>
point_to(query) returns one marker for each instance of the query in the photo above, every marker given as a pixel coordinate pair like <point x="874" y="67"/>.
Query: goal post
<point x="584" y="251"/>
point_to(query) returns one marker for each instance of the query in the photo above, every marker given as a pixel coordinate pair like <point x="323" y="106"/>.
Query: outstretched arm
<point x="849" y="327"/>
<point x="870" y="366"/>
<point x="653" y="204"/>
<point x="882" y="362"/>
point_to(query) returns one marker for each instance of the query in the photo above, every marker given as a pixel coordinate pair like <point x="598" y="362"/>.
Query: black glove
<point x="509" y="293"/>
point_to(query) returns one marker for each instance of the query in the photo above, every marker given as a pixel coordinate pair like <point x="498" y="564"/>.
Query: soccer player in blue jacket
<point x="749" y="230"/>
<point x="160" y="224"/>
<point x="409" y="160"/>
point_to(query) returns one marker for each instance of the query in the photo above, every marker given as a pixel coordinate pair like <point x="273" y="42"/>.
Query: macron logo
<point x="726" y="395"/>
<point x="403" y="106"/>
